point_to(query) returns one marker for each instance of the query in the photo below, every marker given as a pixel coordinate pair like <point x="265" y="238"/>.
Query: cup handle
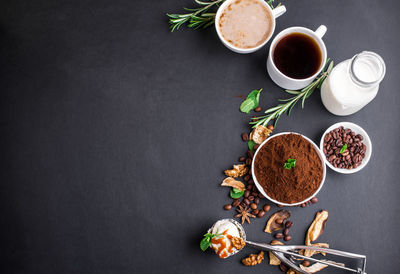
<point x="321" y="30"/>
<point x="278" y="11"/>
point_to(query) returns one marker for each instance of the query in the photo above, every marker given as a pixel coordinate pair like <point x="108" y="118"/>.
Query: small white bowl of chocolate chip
<point x="347" y="147"/>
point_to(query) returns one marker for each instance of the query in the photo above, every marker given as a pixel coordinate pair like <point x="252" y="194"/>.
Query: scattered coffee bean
<point x="236" y="202"/>
<point x="246" y="201"/>
<point x="254" y="118"/>
<point x="306" y="263"/>
<point x="267" y="208"/>
<point x="227" y="207"/>
<point x="253" y="206"/>
<point x="246" y="193"/>
<point x="248" y="161"/>
<point x="278" y="236"/>
<point x="303" y="205"/>
<point x="245" y="137"/>
<point x="255" y="212"/>
<point x="288" y="238"/>
<point x="270" y="127"/>
<point x="257" y="109"/>
<point x="242" y="159"/>
<point x="261" y="213"/>
<point x="249" y="187"/>
<point x="288" y="224"/>
<point x="314" y="200"/>
<point x="251" y="198"/>
<point x="280" y="205"/>
<point x="283" y="268"/>
<point x="250" y="154"/>
<point x="286" y="231"/>
<point x="256" y="146"/>
<point x="247" y="178"/>
<point x="257" y="201"/>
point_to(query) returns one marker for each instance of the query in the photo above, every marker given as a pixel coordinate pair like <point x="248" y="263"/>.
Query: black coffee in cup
<point x="297" y="55"/>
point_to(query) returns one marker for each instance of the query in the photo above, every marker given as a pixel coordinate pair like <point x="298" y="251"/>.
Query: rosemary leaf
<point x="271" y="109"/>
<point x="294" y="92"/>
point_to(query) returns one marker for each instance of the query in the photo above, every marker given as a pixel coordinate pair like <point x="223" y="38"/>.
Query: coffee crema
<point x="246" y="23"/>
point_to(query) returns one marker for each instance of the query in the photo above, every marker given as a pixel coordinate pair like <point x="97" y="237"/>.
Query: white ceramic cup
<point x="287" y="82"/>
<point x="261" y="189"/>
<point x="275" y="13"/>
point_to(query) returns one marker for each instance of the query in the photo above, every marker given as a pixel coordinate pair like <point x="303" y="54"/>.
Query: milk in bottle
<point x="353" y="83"/>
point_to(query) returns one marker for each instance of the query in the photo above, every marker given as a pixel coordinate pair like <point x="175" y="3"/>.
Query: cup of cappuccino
<point x="245" y="26"/>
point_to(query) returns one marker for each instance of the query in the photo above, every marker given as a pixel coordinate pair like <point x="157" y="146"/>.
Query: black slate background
<point x="115" y="133"/>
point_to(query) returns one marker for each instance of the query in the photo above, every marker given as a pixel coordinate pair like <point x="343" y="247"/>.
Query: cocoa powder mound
<point x="288" y="185"/>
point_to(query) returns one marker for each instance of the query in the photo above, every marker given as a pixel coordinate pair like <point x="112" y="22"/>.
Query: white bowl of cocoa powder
<point x="288" y="186"/>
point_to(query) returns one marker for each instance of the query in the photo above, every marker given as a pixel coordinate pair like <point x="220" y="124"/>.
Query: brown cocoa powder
<point x="288" y="185"/>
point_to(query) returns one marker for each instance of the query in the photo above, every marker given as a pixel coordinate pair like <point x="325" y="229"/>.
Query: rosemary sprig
<point x="199" y="17"/>
<point x="277" y="111"/>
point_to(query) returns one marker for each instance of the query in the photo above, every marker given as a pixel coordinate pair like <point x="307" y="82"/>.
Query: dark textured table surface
<point x="115" y="133"/>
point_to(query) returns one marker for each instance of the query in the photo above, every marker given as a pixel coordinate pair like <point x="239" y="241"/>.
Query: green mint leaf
<point x="251" y="145"/>
<point x="247" y="106"/>
<point x="343" y="148"/>
<point x="236" y="195"/>
<point x="251" y="101"/>
<point x="289" y="163"/>
<point x="205" y="243"/>
<point x="292" y="161"/>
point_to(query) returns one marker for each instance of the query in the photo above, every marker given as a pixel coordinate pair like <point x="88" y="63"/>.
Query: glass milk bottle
<point x="353" y="83"/>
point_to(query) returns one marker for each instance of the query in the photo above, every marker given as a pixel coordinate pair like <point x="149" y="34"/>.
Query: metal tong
<point x="281" y="251"/>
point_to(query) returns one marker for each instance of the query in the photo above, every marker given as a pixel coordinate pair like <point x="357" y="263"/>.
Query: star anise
<point x="244" y="214"/>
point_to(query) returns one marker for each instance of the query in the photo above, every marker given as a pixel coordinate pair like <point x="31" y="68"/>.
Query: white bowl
<point x="261" y="189"/>
<point x="366" y="140"/>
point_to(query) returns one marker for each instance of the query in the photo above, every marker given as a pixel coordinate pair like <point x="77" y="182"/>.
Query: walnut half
<point x="253" y="259"/>
<point x="238" y="243"/>
<point x="259" y="134"/>
<point x="237" y="171"/>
